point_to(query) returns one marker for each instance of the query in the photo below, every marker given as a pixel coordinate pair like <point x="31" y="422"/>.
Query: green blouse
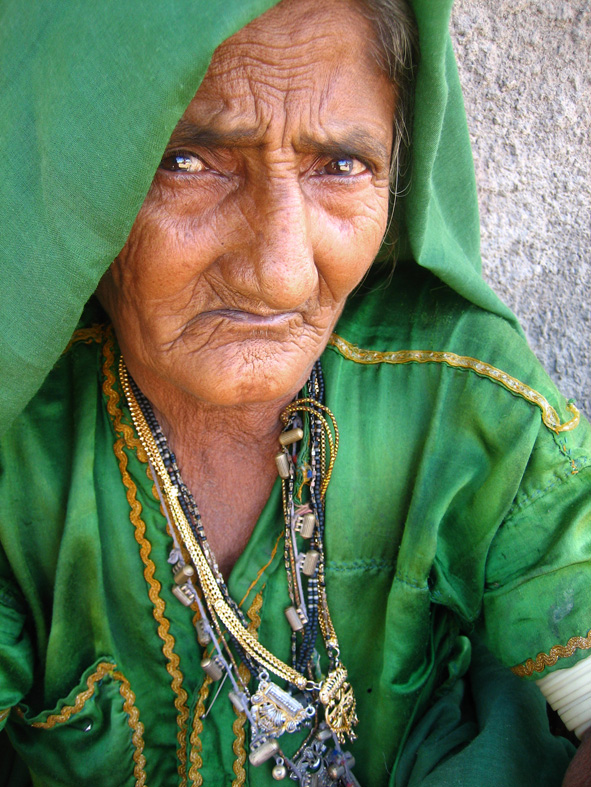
<point x="459" y="505"/>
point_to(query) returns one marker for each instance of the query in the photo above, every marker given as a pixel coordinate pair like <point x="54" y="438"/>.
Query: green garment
<point x="437" y="526"/>
<point x="454" y="509"/>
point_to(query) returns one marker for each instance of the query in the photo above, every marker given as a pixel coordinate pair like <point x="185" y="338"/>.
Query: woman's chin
<point x="255" y="383"/>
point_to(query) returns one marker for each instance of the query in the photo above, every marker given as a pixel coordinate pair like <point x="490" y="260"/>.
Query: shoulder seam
<point x="550" y="417"/>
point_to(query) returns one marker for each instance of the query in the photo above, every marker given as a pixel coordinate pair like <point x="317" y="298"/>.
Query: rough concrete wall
<point x="525" y="67"/>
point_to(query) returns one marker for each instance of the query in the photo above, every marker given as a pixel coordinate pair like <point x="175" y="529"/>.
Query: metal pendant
<point x="321" y="765"/>
<point x="275" y="711"/>
<point x="336" y="694"/>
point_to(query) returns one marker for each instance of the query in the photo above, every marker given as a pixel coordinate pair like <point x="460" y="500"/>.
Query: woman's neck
<point x="226" y="456"/>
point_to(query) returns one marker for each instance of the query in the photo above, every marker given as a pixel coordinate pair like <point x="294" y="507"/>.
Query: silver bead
<point x="203" y="636"/>
<point x="183" y="593"/>
<point x="183" y="573"/>
<point x="310" y="562"/>
<point x="236" y="701"/>
<point x="308" y="525"/>
<point x="290" y="437"/>
<point x="295" y="618"/>
<point x="324" y="733"/>
<point x="264" y="752"/>
<point x="335" y="771"/>
<point x="212" y="667"/>
<point x="283" y="463"/>
<point x="279" y="773"/>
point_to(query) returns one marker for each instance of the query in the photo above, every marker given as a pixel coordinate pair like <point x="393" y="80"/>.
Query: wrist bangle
<point x="568" y="691"/>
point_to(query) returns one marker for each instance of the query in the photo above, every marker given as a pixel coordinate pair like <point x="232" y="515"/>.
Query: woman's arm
<point x="579" y="771"/>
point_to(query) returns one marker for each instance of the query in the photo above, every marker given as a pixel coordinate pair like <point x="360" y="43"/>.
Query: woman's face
<point x="267" y="210"/>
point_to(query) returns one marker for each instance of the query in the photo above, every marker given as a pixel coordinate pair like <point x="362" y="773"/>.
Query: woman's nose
<point x="280" y="256"/>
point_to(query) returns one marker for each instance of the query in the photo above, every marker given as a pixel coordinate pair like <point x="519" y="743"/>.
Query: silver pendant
<point x="275" y="711"/>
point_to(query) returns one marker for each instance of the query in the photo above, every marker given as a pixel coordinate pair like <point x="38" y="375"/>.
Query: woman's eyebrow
<point x="187" y="133"/>
<point x="356" y="143"/>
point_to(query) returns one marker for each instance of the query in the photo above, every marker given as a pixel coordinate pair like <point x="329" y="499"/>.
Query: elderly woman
<point x="195" y="588"/>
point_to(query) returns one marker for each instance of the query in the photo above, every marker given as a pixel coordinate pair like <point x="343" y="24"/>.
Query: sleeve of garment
<point x="537" y="600"/>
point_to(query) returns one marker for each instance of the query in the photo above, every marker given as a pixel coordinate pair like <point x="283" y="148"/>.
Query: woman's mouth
<point x="253" y="319"/>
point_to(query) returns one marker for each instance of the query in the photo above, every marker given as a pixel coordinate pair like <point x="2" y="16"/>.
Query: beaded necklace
<point x="271" y="710"/>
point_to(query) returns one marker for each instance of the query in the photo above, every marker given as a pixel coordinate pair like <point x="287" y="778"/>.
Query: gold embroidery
<point x="239" y="736"/>
<point x="129" y="439"/>
<point x="137" y="728"/>
<point x="96" y="333"/>
<point x="195" y="757"/>
<point x="549" y="415"/>
<point x="260" y="573"/>
<point x="4" y="714"/>
<point x="544" y="660"/>
<point x="238" y="747"/>
<point x="133" y="716"/>
<point x="104" y="668"/>
<point x="238" y="727"/>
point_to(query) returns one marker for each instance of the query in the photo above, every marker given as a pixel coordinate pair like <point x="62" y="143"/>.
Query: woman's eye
<point x="345" y="166"/>
<point x="182" y="162"/>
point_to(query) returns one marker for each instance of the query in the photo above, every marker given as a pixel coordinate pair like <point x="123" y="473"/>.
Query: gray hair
<point x="396" y="51"/>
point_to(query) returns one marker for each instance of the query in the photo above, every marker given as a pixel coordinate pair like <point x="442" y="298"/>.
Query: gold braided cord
<point x="212" y="593"/>
<point x="549" y="415"/>
<point x="128" y="439"/>
<point x="312" y="406"/>
<point x="544" y="660"/>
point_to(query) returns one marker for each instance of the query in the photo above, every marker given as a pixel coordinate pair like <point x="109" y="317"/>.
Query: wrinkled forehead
<point x="299" y="58"/>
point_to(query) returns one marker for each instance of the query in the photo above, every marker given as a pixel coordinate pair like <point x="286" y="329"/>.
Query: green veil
<point x="89" y="96"/>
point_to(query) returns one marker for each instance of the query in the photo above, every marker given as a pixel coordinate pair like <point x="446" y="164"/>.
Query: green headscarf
<point x="90" y="94"/>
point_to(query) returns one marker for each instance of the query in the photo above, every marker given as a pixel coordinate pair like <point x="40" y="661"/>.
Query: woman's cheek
<point x="347" y="247"/>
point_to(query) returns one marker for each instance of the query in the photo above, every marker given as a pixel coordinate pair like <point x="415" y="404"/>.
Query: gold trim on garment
<point x="195" y="757"/>
<point x="104" y="668"/>
<point x="96" y="333"/>
<point x="4" y="714"/>
<point x="544" y="660"/>
<point x="133" y="717"/>
<point x="132" y="443"/>
<point x="238" y="746"/>
<point x="238" y="727"/>
<point x="259" y="575"/>
<point x="549" y="415"/>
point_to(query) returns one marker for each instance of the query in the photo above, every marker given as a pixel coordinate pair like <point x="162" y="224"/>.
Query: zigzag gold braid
<point x="133" y="716"/>
<point x="137" y="728"/>
<point x="172" y="659"/>
<point x="238" y="726"/>
<point x="195" y="757"/>
<point x="213" y="596"/>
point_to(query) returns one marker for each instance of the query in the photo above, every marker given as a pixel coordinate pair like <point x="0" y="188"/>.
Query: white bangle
<point x="568" y="691"/>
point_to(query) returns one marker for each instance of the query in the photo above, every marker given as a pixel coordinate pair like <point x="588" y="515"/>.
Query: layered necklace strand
<point x="271" y="710"/>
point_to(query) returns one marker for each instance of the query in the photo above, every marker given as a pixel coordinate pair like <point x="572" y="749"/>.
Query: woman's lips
<point x="251" y="318"/>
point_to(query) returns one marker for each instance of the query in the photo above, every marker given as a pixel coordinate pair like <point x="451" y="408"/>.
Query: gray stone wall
<point x="525" y="67"/>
